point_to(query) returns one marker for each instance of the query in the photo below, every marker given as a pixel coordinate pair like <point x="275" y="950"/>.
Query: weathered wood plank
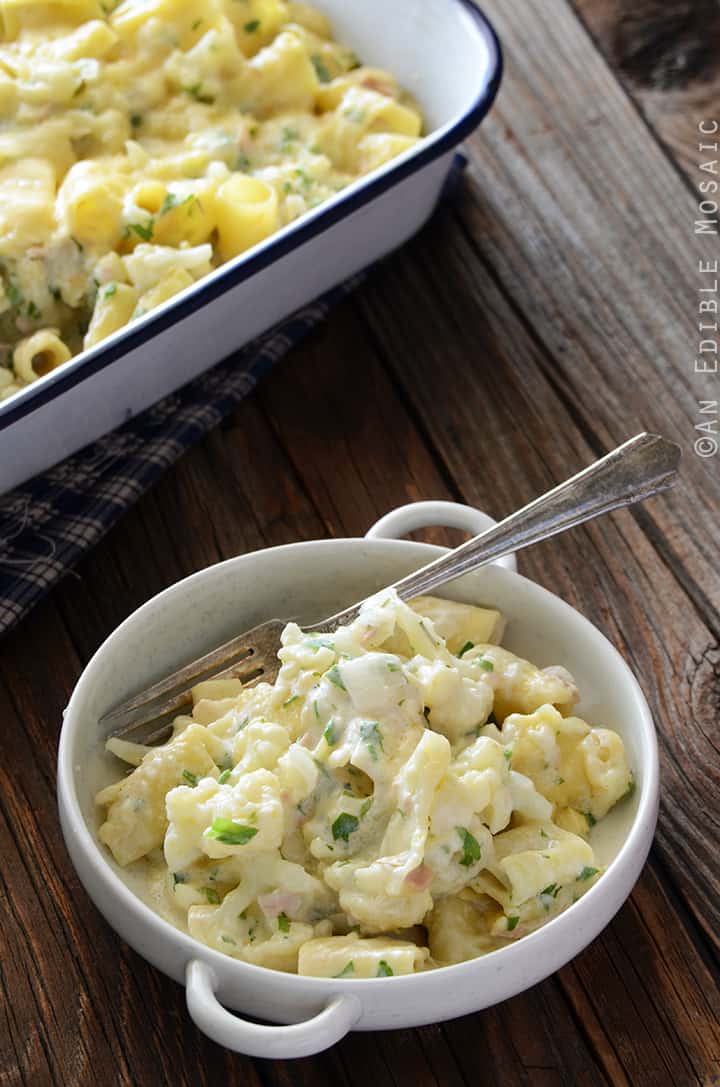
<point x="356" y="447"/>
<point x="234" y="493"/>
<point x="666" y="53"/>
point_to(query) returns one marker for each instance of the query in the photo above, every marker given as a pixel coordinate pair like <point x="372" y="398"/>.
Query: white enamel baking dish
<point x="446" y="53"/>
<point x="309" y="580"/>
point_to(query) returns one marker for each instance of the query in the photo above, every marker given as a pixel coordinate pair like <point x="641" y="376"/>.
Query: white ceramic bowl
<point x="307" y="581"/>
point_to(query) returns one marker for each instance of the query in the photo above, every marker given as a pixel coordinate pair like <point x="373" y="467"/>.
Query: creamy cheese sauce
<point x="407" y="794"/>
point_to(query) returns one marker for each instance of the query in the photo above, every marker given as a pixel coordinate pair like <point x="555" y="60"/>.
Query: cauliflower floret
<point x="572" y="765"/>
<point x="136" y="818"/>
<point x="148" y="264"/>
<point x="521" y="687"/>
<point x="222" y="820"/>
<point x="457" y="704"/>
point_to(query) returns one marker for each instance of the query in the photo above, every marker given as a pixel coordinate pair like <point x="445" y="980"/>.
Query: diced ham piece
<point x="279" y="902"/>
<point x="420" y="878"/>
<point x="373" y="83"/>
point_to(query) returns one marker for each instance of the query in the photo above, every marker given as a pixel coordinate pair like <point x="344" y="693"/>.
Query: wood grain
<point x="667" y="55"/>
<point x="545" y="318"/>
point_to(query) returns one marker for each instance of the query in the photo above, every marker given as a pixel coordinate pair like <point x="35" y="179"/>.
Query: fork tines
<point x="150" y="713"/>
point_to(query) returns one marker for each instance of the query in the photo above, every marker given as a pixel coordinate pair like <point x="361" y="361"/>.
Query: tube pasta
<point x="247" y="213"/>
<point x="365" y="816"/>
<point x="39" y="354"/>
<point x="114" y="306"/>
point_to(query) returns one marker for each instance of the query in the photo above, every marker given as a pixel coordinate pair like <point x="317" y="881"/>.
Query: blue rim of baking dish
<point x="67" y="376"/>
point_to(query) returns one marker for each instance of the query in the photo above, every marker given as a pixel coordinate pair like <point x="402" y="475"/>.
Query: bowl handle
<point x="417" y="515"/>
<point x="298" y="1040"/>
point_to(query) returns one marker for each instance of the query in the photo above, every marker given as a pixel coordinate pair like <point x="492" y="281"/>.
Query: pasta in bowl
<point x="146" y="142"/>
<point x="406" y="795"/>
<point x="310" y="912"/>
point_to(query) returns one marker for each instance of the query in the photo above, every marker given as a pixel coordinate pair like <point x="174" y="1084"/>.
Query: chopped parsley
<point x="329" y="734"/>
<point x="471" y="847"/>
<point x="366" y="806"/>
<point x="283" y="922"/>
<point x="212" y="896"/>
<point x="304" y="178"/>
<point x="32" y="310"/>
<point x="322" y="768"/>
<point x="486" y="665"/>
<point x="631" y="787"/>
<point x="512" y="923"/>
<point x="587" y="873"/>
<point x="230" y="833"/>
<point x="334" y="676"/>
<point x="227" y="939"/>
<point x="371" y="734"/>
<point x="384" y="970"/>
<point x="344" y="826"/>
<point x="223" y="777"/>
<point x="252" y="26"/>
<point x="143" y="230"/>
<point x="289" y="701"/>
<point x="559" y="781"/>
<point x="110" y="291"/>
<point x="551" y="889"/>
<point x="196" y="91"/>
<point x="507" y="753"/>
<point x="169" y="202"/>
<point x="347" y="971"/>
<point x="196" y="24"/>
<point x="468" y="645"/>
<point x="14" y="294"/>
<point x="289" y="137"/>
<point x="590" y="818"/>
<point x="320" y="69"/>
<point x="190" y="778"/>
<point x="393" y="667"/>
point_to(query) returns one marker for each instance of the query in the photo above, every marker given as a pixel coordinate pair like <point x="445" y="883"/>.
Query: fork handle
<point x="638" y="469"/>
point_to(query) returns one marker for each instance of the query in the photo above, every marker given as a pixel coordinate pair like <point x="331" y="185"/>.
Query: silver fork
<point x="644" y="466"/>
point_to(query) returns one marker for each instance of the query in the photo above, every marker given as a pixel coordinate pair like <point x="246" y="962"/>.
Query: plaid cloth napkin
<point x="47" y="524"/>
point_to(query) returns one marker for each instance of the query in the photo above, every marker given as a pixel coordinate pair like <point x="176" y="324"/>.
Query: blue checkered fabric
<point x="49" y="523"/>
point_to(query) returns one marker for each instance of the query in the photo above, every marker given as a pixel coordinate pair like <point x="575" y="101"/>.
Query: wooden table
<point x="546" y="316"/>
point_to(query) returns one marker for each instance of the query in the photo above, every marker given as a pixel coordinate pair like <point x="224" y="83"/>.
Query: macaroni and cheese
<point x="407" y="794"/>
<point x="143" y="144"/>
